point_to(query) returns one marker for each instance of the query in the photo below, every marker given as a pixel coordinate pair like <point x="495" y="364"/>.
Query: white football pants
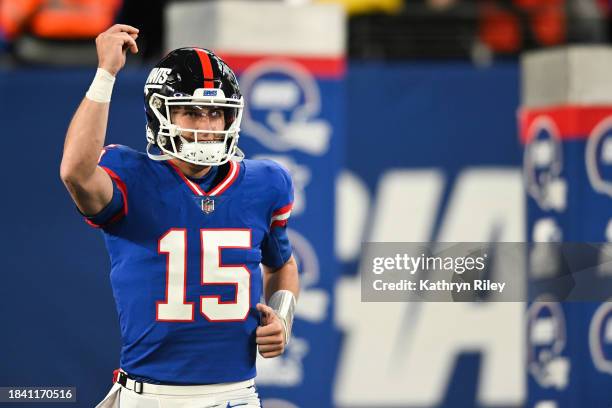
<point x="120" y="397"/>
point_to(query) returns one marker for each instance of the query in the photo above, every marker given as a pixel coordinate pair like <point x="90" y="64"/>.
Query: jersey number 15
<point x="175" y="308"/>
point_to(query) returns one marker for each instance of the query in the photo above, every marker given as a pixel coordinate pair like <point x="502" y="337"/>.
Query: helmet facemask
<point x="197" y="144"/>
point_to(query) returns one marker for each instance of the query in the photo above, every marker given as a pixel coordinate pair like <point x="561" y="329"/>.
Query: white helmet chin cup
<point x="202" y="152"/>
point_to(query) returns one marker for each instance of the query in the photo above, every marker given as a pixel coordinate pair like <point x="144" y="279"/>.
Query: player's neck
<point x="191" y="170"/>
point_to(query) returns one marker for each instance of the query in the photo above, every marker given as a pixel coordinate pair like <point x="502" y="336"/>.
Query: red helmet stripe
<point x="206" y="68"/>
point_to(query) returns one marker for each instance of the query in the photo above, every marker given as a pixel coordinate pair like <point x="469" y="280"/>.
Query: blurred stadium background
<point x="400" y="121"/>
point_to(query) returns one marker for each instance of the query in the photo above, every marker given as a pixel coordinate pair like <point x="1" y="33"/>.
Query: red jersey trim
<point x="229" y="179"/>
<point x="232" y="175"/>
<point x="283" y="210"/>
<point x="123" y="189"/>
<point x="278" y="223"/>
<point x="280" y="217"/>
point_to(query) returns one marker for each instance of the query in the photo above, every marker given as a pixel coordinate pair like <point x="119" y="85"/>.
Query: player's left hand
<point x="270" y="336"/>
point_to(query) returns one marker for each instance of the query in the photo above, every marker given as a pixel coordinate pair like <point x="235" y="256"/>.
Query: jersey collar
<point x="218" y="186"/>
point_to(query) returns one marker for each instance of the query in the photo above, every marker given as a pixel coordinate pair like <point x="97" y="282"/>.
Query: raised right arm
<point x="88" y="184"/>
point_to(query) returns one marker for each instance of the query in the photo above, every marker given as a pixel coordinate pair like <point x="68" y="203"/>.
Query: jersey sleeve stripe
<point x="283" y="210"/>
<point x="121" y="185"/>
<point x="279" y="223"/>
<point x="115" y="218"/>
<point x="280" y="220"/>
<point x="281" y="217"/>
<point x="123" y="189"/>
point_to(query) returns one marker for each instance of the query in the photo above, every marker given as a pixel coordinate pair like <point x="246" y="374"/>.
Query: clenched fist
<point x="270" y="336"/>
<point x="112" y="46"/>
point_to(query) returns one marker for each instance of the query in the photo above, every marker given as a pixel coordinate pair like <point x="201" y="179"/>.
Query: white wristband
<point x="283" y="302"/>
<point x="101" y="87"/>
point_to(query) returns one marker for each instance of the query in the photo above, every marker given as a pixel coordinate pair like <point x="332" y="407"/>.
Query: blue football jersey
<point x="185" y="264"/>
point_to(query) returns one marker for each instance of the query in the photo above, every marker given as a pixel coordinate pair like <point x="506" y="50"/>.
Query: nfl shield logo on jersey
<point x="208" y="205"/>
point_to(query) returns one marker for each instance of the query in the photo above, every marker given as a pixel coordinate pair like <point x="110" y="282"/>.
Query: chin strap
<point x="283" y="302"/>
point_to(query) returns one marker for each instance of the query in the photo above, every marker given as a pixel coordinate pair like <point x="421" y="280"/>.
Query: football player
<point x="187" y="226"/>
